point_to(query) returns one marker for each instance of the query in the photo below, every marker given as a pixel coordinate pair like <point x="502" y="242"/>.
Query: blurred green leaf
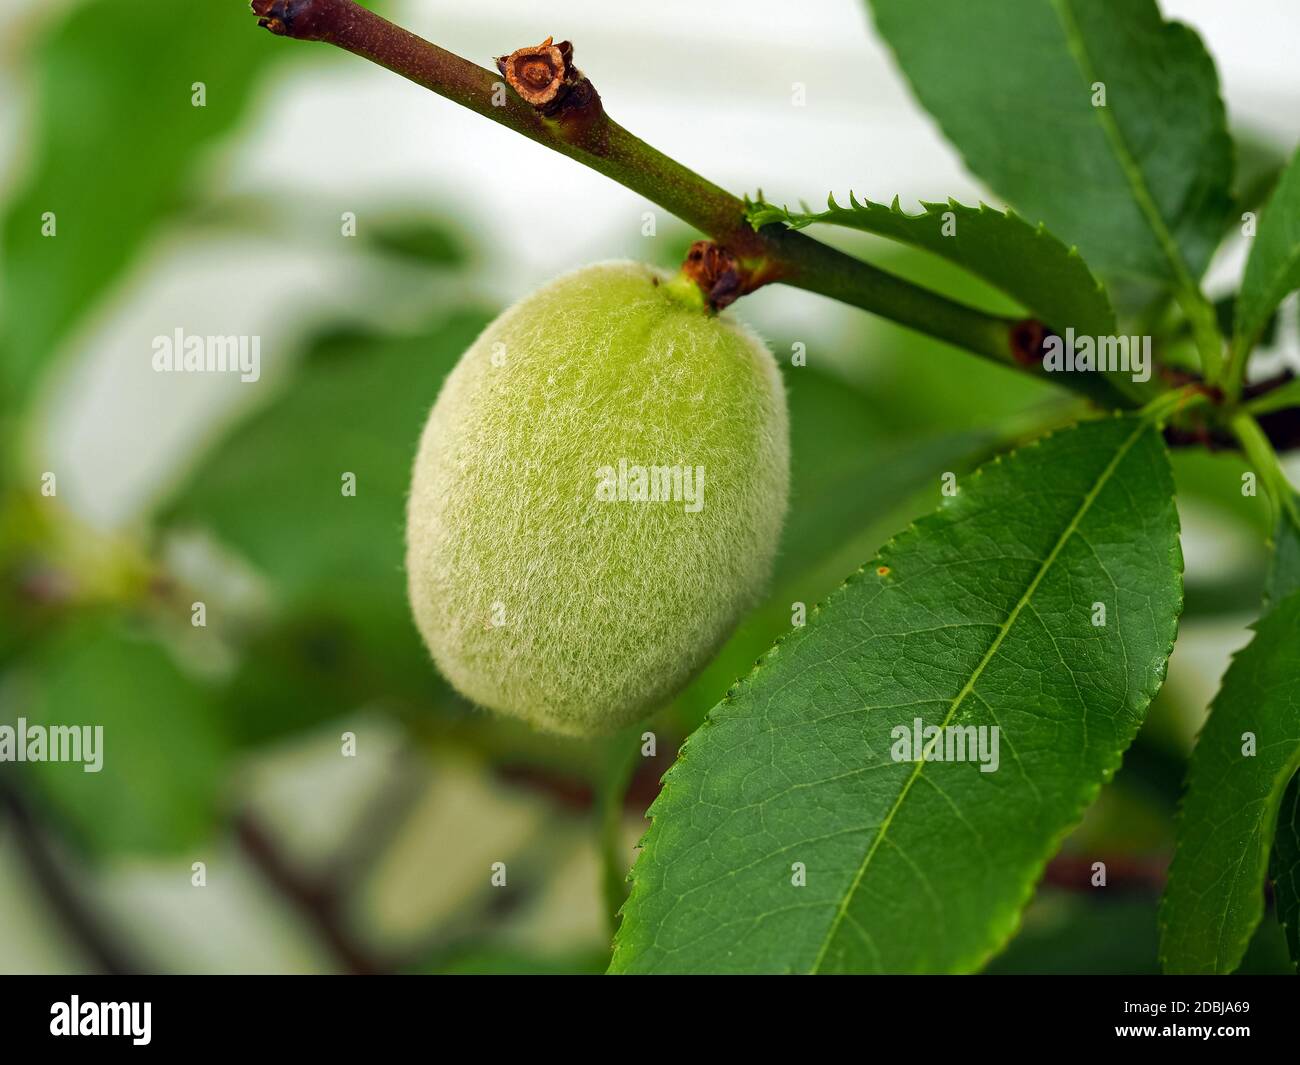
<point x="1214" y="478"/>
<point x="1141" y="182"/>
<point x="310" y="664"/>
<point x="1230" y="810"/>
<point x="1210" y="498"/>
<point x="163" y="744"/>
<point x="1108" y="937"/>
<point x="430" y="241"/>
<point x="1024" y="261"/>
<point x="1216" y="594"/>
<point x="846" y="471"/>
<point x="1069" y="934"/>
<point x="795" y="764"/>
<point x="1273" y="269"/>
<point x="273" y="491"/>
<point x="116" y="138"/>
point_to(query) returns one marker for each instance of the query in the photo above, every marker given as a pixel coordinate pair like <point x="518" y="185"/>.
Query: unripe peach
<point x="597" y="498"/>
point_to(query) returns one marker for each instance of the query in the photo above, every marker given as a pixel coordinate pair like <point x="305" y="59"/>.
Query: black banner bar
<point x="336" y="1014"/>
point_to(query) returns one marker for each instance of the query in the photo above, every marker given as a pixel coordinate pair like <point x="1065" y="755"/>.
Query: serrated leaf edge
<point x="760" y="213"/>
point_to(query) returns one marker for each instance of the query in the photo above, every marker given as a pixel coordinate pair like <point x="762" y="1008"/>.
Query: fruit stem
<point x="573" y="122"/>
<point x="620" y="758"/>
<point x="685" y="290"/>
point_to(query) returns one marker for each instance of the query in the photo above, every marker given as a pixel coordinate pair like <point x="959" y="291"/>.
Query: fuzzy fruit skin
<point x="535" y="597"/>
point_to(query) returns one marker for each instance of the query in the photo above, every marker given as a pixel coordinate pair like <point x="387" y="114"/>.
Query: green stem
<point x="1234" y="370"/>
<point x="1167" y="404"/>
<point x="1259" y="451"/>
<point x="596" y="141"/>
<point x="620" y="761"/>
<point x="1205" y="331"/>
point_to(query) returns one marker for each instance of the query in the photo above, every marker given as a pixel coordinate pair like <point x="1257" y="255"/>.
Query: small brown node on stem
<point x="283" y="17"/>
<point x="545" y="78"/>
<point x="1028" y="338"/>
<point x="716" y="272"/>
<point x="539" y="74"/>
<point x="721" y="275"/>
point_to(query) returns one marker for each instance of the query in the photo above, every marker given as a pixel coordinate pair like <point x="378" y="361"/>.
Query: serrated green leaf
<point x="1273" y="269"/>
<point x="1215" y="896"/>
<point x="979" y="615"/>
<point x="1024" y="261"/>
<point x="1084" y="934"/>
<point x="163" y="743"/>
<point x="1141" y="183"/>
<point x="117" y="137"/>
<point x="1284" y="868"/>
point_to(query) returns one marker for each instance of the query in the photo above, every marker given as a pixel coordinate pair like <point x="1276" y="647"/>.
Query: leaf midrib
<point x="969" y="686"/>
<point x="1128" y="164"/>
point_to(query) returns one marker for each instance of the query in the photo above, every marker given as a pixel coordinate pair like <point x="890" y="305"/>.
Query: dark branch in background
<point x="379" y="822"/>
<point x="322" y="898"/>
<point x="1281" y="427"/>
<point x="1124" y="875"/>
<point x="319" y="901"/>
<point x="78" y="918"/>
<point x="568" y="117"/>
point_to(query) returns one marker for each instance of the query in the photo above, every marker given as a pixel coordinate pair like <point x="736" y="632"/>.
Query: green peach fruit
<point x="596" y="499"/>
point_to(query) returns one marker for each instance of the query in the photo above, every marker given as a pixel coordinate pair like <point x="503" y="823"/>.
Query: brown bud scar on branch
<point x="1028" y="338"/>
<point x="544" y="77"/>
<point x="289" y="18"/>
<point x="722" y="276"/>
<point x="541" y="73"/>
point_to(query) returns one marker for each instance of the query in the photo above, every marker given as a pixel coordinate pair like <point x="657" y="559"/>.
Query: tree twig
<point x="317" y="900"/>
<point x="1123" y="874"/>
<point x="568" y="116"/>
<point x="89" y="930"/>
